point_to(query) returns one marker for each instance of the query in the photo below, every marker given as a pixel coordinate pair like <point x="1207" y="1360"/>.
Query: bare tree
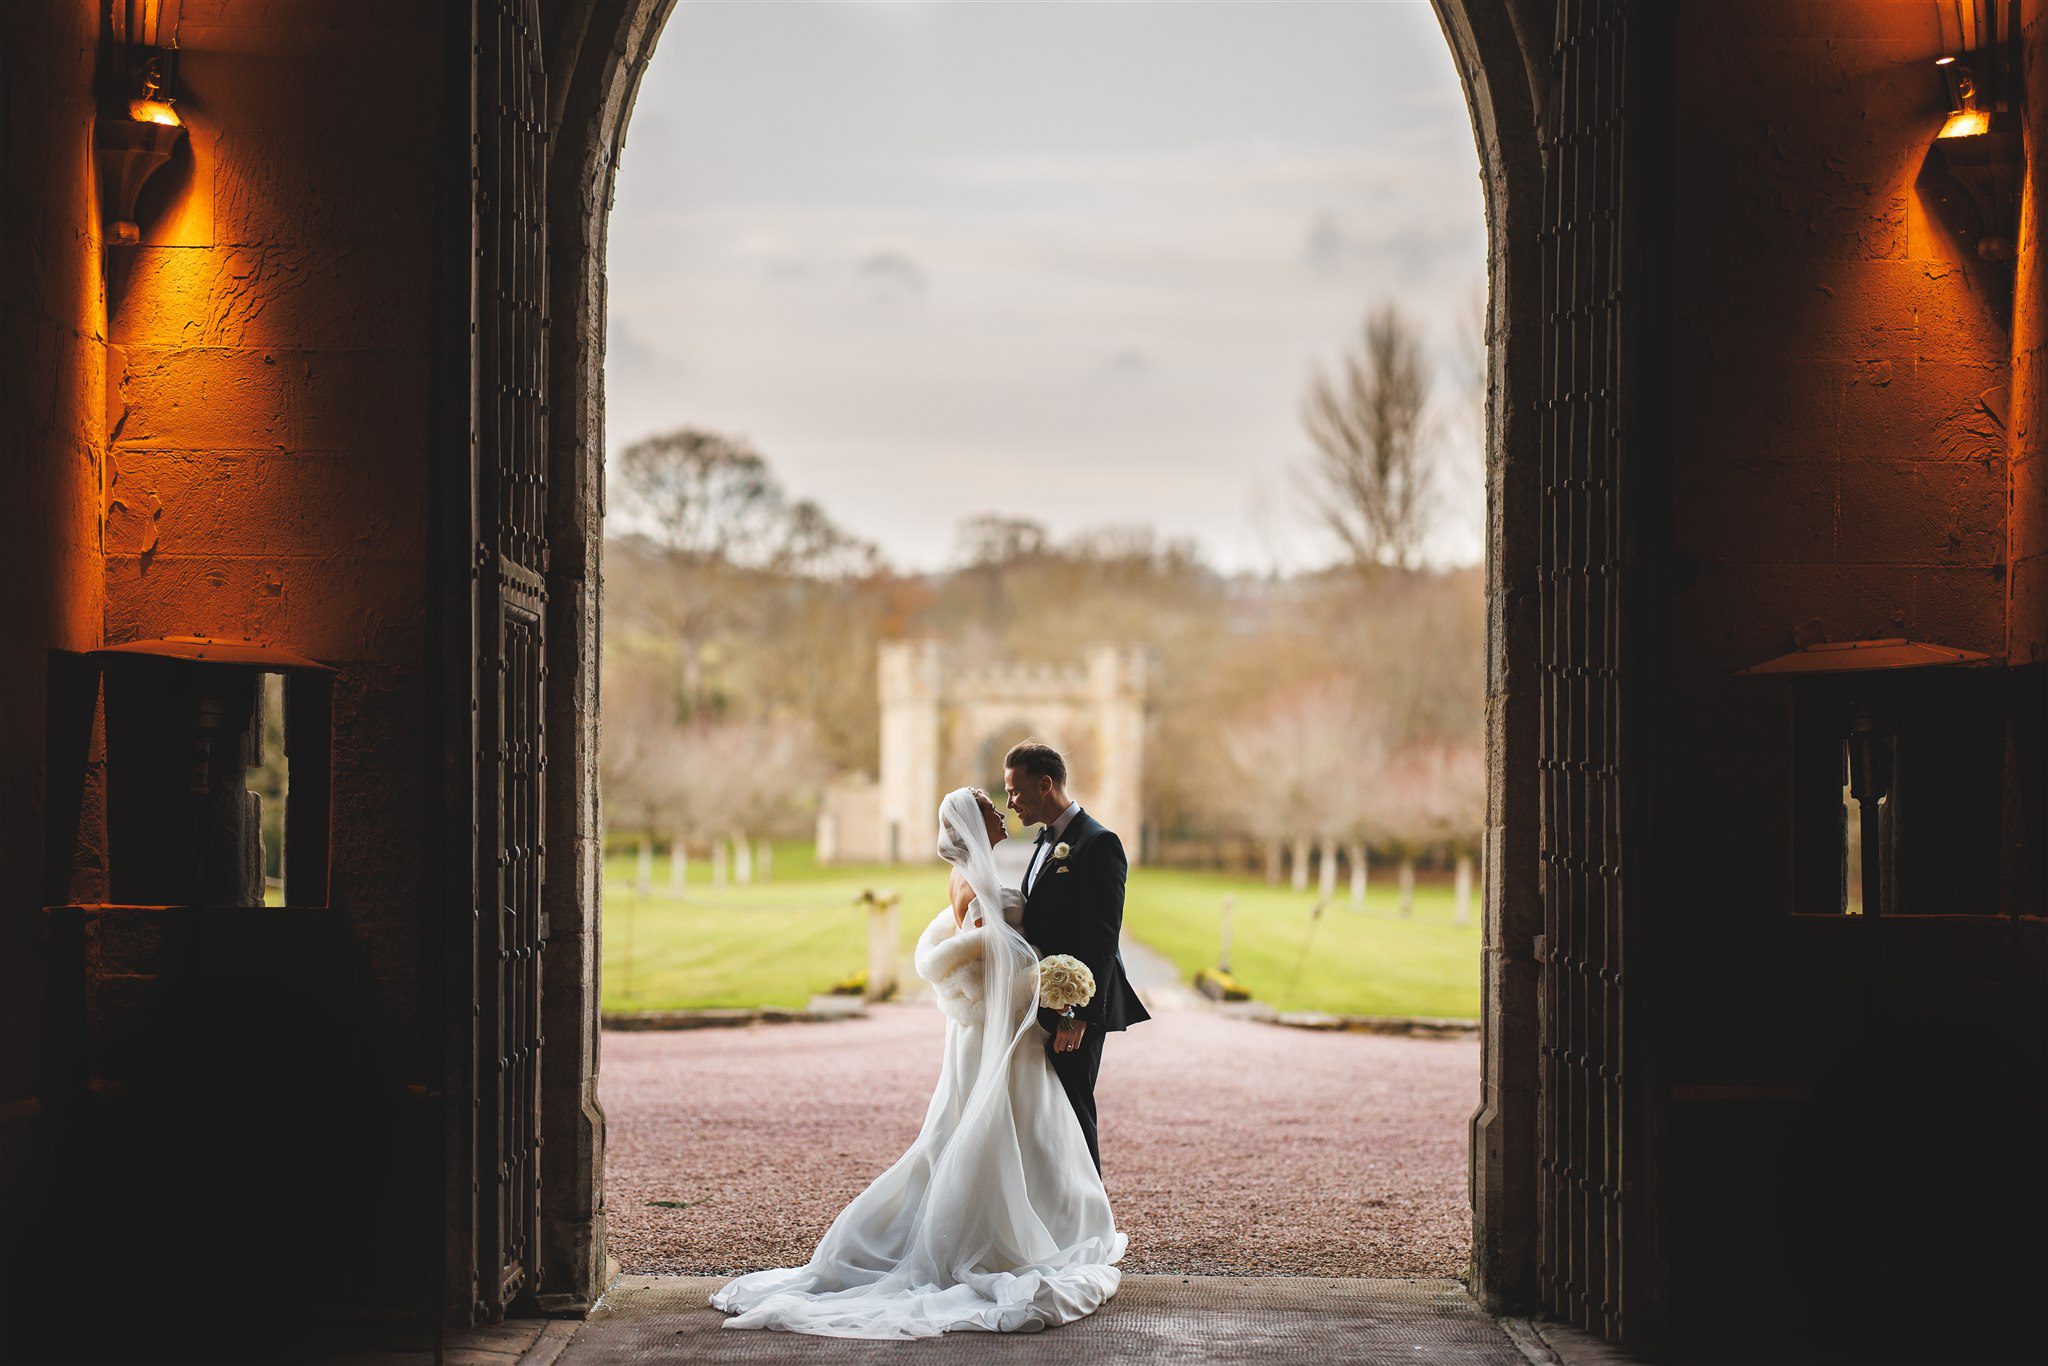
<point x="1293" y="764"/>
<point x="636" y="752"/>
<point x="718" y="546"/>
<point x="1370" y="479"/>
<point x="704" y="495"/>
<point x="1434" y="797"/>
<point x="993" y="540"/>
<point x="761" y="777"/>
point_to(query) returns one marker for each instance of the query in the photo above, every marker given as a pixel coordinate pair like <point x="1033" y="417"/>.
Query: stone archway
<point x="595" y="54"/>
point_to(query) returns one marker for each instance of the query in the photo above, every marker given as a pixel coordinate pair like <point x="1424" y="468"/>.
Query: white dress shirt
<point x="1042" y="853"/>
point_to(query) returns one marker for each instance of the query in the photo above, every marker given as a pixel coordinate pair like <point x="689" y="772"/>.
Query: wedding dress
<point x="995" y="1218"/>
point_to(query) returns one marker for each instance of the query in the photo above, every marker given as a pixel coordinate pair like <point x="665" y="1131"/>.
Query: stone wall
<point x="2027" y="627"/>
<point x="227" y="434"/>
<point x="1842" y="469"/>
<point x="269" y="379"/>
<point x="53" y="346"/>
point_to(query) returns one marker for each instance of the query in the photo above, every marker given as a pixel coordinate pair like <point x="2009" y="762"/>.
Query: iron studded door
<point x="510" y="567"/>
<point x="1591" y="451"/>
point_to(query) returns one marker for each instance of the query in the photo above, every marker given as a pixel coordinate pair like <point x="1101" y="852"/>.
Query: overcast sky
<point x="1071" y="262"/>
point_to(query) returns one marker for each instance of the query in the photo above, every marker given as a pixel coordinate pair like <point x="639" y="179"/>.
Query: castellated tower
<point x="910" y="675"/>
<point x="948" y="717"/>
<point x="1119" y="688"/>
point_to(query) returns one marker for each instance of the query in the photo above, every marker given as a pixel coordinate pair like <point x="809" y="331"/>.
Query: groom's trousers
<point x="1076" y="1071"/>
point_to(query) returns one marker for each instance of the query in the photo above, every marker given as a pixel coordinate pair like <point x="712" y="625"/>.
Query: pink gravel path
<point x="1229" y="1147"/>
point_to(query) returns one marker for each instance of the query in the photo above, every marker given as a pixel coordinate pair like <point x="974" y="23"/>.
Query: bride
<point x="995" y="1219"/>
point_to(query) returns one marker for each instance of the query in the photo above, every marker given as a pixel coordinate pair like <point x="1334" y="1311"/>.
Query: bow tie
<point x="1045" y="835"/>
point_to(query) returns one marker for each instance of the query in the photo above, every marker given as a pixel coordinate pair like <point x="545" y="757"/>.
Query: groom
<point x="1073" y="904"/>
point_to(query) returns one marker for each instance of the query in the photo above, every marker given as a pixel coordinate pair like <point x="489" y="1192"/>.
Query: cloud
<point x="1327" y="246"/>
<point x="1127" y="363"/>
<point x="1412" y="249"/>
<point x="892" y="274"/>
<point x="626" y="353"/>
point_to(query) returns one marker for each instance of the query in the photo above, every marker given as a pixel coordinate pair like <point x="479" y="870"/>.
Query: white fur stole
<point x="949" y="957"/>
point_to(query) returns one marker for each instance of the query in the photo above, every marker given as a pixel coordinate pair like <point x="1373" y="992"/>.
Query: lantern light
<point x="1980" y="143"/>
<point x="138" y="129"/>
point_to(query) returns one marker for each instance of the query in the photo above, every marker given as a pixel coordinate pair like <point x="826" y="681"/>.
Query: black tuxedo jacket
<point x="1076" y="907"/>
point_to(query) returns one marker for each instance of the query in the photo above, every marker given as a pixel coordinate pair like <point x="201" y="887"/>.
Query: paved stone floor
<point x="1316" y="1321"/>
<point x="1192" y="1319"/>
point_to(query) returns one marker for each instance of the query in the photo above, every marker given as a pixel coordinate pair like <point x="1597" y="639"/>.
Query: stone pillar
<point x="1119" y="684"/>
<point x="910" y="679"/>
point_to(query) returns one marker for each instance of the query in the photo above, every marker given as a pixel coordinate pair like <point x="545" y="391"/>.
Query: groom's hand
<point x="1069" y="1037"/>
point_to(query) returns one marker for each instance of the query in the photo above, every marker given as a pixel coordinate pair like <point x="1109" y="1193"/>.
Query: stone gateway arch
<point x="950" y="714"/>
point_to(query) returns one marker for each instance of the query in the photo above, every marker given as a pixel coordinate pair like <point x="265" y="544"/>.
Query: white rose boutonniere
<point x="1061" y="850"/>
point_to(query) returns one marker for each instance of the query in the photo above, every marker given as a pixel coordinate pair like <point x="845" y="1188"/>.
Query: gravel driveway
<point x="1229" y="1147"/>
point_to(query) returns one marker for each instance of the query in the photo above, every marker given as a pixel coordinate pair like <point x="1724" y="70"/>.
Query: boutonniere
<point x="1061" y="850"/>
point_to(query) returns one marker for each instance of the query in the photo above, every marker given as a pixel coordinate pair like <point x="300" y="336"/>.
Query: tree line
<point x="1300" y="720"/>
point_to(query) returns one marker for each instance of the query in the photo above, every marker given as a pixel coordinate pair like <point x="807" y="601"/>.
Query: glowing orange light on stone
<point x="154" y="111"/>
<point x="1966" y="123"/>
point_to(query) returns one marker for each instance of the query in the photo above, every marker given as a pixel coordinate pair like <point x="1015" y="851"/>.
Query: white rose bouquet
<point x="1063" y="983"/>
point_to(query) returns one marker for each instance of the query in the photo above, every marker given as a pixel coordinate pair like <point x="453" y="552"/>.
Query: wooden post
<point x="1223" y="960"/>
<point x="678" y="866"/>
<point x="1464" y="885"/>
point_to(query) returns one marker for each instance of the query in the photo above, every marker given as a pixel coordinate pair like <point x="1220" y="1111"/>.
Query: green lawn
<point x="1358" y="962"/>
<point x="781" y="942"/>
<point x="775" y="943"/>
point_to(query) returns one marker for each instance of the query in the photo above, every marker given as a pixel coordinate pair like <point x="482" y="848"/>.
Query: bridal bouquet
<point x="1063" y="983"/>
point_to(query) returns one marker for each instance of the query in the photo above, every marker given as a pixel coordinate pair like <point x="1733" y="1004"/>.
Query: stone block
<point x="1749" y="408"/>
<point x="128" y="940"/>
<point x="2028" y="610"/>
<point x="280" y="188"/>
<point x="306" y="17"/>
<point x="1921" y="410"/>
<point x="1964" y="607"/>
<point x="1923" y="512"/>
<point x="323" y="507"/>
<point x="204" y="397"/>
<point x="364" y="401"/>
<point x="265" y="296"/>
<point x="335" y="610"/>
<point x="1775" y="511"/>
<point x="1849" y="311"/>
<point x="119" y="1012"/>
<point x="1736" y="614"/>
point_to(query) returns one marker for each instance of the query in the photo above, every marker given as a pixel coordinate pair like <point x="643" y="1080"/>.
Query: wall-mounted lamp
<point x="1981" y="146"/>
<point x="138" y="128"/>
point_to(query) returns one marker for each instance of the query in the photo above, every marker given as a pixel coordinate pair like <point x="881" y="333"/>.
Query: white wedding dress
<point x="995" y="1219"/>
